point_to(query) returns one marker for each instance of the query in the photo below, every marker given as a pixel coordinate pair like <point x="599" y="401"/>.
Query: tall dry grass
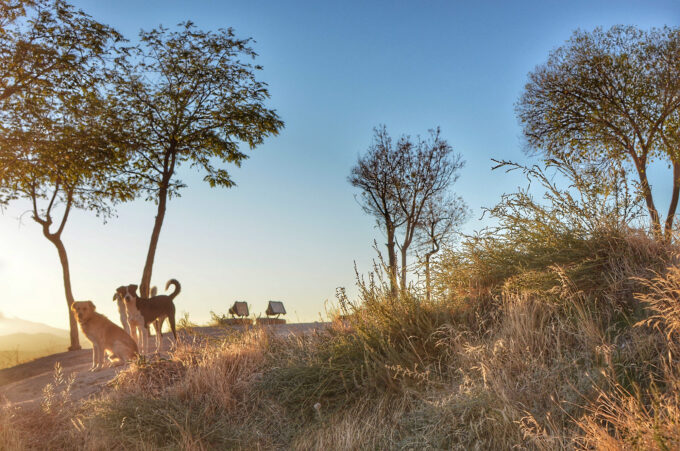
<point x="553" y="331"/>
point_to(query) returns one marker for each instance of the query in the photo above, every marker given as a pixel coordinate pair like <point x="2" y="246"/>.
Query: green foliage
<point x="55" y="133"/>
<point x="604" y="93"/>
<point x="577" y="230"/>
<point x="609" y="95"/>
<point x="46" y="40"/>
<point x="187" y="96"/>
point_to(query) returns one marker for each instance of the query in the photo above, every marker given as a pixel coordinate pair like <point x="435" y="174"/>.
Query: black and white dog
<point x="141" y="312"/>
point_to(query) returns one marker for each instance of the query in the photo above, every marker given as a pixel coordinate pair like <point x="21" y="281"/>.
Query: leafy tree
<point x="440" y="218"/>
<point x="55" y="152"/>
<point x="611" y="95"/>
<point x="188" y="98"/>
<point x="43" y="39"/>
<point x="397" y="180"/>
<point x="53" y="148"/>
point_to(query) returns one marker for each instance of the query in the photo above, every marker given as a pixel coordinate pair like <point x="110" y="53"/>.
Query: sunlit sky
<point x="291" y="230"/>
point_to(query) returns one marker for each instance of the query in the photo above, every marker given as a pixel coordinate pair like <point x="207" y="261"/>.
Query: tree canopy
<point x="610" y="95"/>
<point x="56" y="150"/>
<point x="188" y="97"/>
<point x="44" y="39"/>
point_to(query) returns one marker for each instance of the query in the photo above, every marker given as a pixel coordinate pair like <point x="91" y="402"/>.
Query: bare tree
<point x="442" y="215"/>
<point x="374" y="175"/>
<point x="396" y="182"/>
<point x="426" y="169"/>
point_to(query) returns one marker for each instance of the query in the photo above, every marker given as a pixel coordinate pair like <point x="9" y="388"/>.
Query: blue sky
<point x="291" y="230"/>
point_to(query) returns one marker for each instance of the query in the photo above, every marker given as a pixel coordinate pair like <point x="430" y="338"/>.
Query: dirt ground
<point x="23" y="385"/>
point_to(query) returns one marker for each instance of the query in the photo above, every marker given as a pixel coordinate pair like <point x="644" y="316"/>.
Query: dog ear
<point x="91" y="304"/>
<point x="73" y="306"/>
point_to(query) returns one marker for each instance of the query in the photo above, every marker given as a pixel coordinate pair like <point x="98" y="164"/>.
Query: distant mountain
<point x="20" y="347"/>
<point x="22" y="340"/>
<point x="34" y="342"/>
<point x="10" y="326"/>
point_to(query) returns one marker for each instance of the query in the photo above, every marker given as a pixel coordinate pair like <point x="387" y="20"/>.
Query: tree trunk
<point x="668" y="227"/>
<point x="148" y="266"/>
<point x="404" y="250"/>
<point x="427" y="276"/>
<point x="649" y="200"/>
<point x="408" y="237"/>
<point x="392" y="261"/>
<point x="428" y="284"/>
<point x="63" y="258"/>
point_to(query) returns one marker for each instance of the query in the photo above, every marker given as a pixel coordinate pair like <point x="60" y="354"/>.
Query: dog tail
<point x="178" y="288"/>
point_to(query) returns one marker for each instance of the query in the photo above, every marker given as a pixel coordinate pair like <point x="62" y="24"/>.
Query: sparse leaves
<point x="398" y="181"/>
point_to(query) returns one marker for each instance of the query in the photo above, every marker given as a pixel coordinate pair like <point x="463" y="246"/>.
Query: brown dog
<point x="151" y="310"/>
<point x="106" y="337"/>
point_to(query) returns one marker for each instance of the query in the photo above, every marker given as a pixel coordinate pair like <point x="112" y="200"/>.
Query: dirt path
<point x="23" y="385"/>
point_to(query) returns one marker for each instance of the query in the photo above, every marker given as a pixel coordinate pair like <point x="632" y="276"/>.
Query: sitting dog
<point x="144" y="311"/>
<point x="106" y="337"/>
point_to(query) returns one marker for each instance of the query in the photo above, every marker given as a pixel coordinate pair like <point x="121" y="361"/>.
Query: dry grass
<point x="574" y="352"/>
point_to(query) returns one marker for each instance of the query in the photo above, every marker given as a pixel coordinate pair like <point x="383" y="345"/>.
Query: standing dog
<point x="134" y="329"/>
<point x="120" y="297"/>
<point x="106" y="337"/>
<point x="144" y="311"/>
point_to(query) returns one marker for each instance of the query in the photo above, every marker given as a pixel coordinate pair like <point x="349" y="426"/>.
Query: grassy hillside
<point x="559" y="329"/>
<point x="574" y="352"/>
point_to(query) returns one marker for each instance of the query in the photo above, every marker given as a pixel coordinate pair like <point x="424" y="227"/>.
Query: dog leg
<point x="141" y="344"/>
<point x="147" y="338"/>
<point x="115" y="360"/>
<point x="134" y="334"/>
<point x="158" y="324"/>
<point x="123" y="316"/>
<point x="126" y="323"/>
<point x="96" y="357"/>
<point x="171" y="320"/>
<point x="139" y="338"/>
<point x="121" y="354"/>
